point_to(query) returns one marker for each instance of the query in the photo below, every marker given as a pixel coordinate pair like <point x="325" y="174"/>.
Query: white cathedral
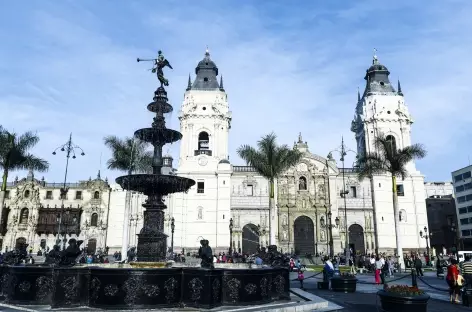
<point x="310" y="213"/>
<point x="310" y="216"/>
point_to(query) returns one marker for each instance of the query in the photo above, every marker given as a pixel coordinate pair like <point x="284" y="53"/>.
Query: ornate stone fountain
<point x="64" y="283"/>
<point x="152" y="242"/>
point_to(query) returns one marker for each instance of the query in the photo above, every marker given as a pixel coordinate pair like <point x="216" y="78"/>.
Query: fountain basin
<point x="150" y="265"/>
<point x="152" y="183"/>
<point x="133" y="288"/>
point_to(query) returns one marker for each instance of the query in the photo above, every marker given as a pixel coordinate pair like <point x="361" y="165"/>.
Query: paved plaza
<point x="365" y="298"/>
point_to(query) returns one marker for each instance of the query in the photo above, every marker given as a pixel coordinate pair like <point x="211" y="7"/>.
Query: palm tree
<point x="128" y="155"/>
<point x="14" y="155"/>
<point x="389" y="160"/>
<point x="270" y="161"/>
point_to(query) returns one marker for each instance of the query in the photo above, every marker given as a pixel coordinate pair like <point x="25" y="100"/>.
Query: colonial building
<point x="35" y="213"/>
<point x="311" y="215"/>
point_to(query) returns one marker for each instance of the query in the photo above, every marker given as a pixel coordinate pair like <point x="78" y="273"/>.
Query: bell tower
<point x="205" y="119"/>
<point x="381" y="110"/>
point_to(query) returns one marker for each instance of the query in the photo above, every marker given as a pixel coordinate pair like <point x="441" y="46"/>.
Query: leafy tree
<point x="128" y="155"/>
<point x="270" y="161"/>
<point x="15" y="155"/>
<point x="389" y="160"/>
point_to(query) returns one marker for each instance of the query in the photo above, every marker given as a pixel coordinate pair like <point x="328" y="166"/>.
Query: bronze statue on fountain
<point x="152" y="242"/>
<point x="16" y="256"/>
<point x="67" y="257"/>
<point x="206" y="254"/>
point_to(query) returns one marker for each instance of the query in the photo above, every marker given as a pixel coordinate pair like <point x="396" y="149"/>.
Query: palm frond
<point x="32" y="162"/>
<point x="128" y="154"/>
<point x="14" y="151"/>
<point x="269" y="159"/>
<point x="371" y="164"/>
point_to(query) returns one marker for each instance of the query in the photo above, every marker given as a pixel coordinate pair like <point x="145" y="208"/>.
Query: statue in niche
<point x="302" y="183"/>
<point x="284" y="220"/>
<point x="200" y="213"/>
<point x="368" y="222"/>
<point x="323" y="235"/>
<point x="284" y="235"/>
<point x="321" y="189"/>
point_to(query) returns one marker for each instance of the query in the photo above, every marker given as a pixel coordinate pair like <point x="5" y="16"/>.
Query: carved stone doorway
<point x="91" y="246"/>
<point x="356" y="238"/>
<point x="304" y="236"/>
<point x="20" y="241"/>
<point x="250" y="239"/>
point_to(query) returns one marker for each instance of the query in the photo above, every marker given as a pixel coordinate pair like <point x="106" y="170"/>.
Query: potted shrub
<point x="344" y="282"/>
<point x="403" y="298"/>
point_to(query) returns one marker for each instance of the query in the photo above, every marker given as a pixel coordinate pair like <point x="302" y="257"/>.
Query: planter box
<point x="344" y="284"/>
<point x="391" y="302"/>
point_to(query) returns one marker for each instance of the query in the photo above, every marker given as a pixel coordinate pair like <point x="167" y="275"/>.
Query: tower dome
<point x="377" y="80"/>
<point x="207" y="73"/>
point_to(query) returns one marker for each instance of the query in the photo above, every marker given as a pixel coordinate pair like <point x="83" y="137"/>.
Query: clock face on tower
<point x="202" y="161"/>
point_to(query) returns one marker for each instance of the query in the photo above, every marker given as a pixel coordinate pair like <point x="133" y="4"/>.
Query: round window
<point x="204" y="108"/>
<point x="388" y="112"/>
<point x="382" y="83"/>
<point x="205" y="79"/>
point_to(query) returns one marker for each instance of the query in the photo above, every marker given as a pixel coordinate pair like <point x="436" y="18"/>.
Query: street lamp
<point x="69" y="147"/>
<point x="330" y="227"/>
<point x="231" y="236"/>
<point x="172" y="228"/>
<point x="66" y="223"/>
<point x="426" y="236"/>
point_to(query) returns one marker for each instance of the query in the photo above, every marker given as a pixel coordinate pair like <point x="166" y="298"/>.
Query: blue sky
<point x="70" y="66"/>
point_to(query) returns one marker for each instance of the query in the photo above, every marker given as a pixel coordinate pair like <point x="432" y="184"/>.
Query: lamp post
<point x="426" y="237"/>
<point x="172" y="228"/>
<point x="67" y="223"/>
<point x="343" y="194"/>
<point x="330" y="227"/>
<point x="69" y="147"/>
<point x="231" y="236"/>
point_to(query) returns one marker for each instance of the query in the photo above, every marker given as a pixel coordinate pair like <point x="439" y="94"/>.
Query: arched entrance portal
<point x="356" y="238"/>
<point x="304" y="236"/>
<point x="20" y="242"/>
<point x="91" y="246"/>
<point x="250" y="239"/>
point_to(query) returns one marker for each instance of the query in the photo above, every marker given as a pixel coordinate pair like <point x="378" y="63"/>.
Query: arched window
<point x="96" y="195"/>
<point x="200" y="213"/>
<point x="302" y="184"/>
<point x="393" y="144"/>
<point x="203" y="141"/>
<point x="24" y="216"/>
<point x="27" y="194"/>
<point x="94" y="219"/>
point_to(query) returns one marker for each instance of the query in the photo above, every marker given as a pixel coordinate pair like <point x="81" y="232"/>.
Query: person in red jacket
<point x="451" y="278"/>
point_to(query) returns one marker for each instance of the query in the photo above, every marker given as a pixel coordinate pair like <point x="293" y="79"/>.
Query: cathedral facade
<point x="321" y="208"/>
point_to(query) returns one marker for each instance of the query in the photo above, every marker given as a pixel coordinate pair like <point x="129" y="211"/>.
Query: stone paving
<point x="365" y="299"/>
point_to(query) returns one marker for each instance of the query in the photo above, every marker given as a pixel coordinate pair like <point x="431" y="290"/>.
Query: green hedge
<point x="319" y="268"/>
